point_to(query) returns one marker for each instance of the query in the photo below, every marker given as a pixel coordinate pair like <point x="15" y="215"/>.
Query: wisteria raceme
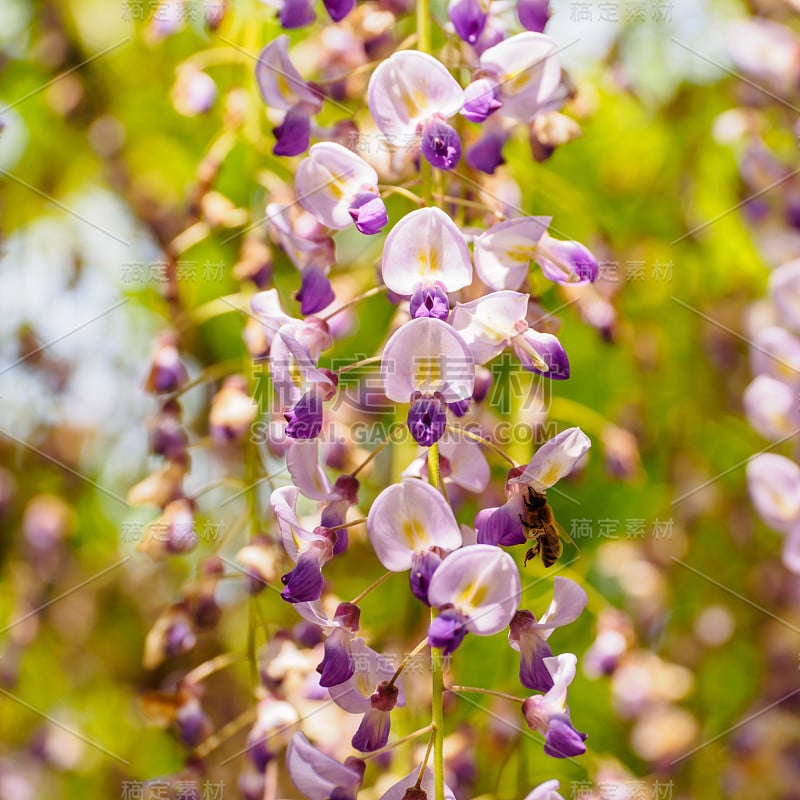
<point x="376" y="186"/>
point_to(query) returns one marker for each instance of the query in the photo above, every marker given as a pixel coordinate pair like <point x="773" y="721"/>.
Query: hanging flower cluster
<point x="454" y="261"/>
<point x="769" y="53"/>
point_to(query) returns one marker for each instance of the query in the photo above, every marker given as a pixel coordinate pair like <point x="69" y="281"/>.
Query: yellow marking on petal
<point x="471" y="596"/>
<point x="414" y="533"/>
<point x="427" y="371"/>
<point x="521" y="254"/>
<point x="284" y="88"/>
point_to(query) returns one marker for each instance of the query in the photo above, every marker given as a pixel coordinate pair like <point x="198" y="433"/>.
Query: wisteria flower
<point x="554" y="460"/>
<point x="504" y="252"/>
<point x="529" y="637"/>
<point x="310" y="250"/>
<point x="340" y="189"/>
<point x="476" y="590"/>
<point x="776" y="353"/>
<point x="410" y="95"/>
<point x="774" y="484"/>
<point x="468" y="18"/>
<point x="300" y="386"/>
<point x="771" y="407"/>
<point x="311" y="333"/>
<point x="411" y="526"/>
<point x="426" y="363"/>
<point x="525" y="75"/>
<point x="337" y="665"/>
<point x="407" y="788"/>
<point x="283" y="88"/>
<point x="310" y="550"/>
<point x="425" y="256"/>
<point x="369" y="692"/>
<point x="498" y="320"/>
<point x="548" y="713"/>
<point x="318" y="776"/>
<point x="303" y="464"/>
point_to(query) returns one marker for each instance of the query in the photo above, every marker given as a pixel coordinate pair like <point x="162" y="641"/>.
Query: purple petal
<point x="565" y="262"/>
<point x="305" y="417"/>
<point x="533" y="14"/>
<point x="373" y="732"/>
<point x="369" y="213"/>
<point x="293" y="134"/>
<point x="339" y="9"/>
<point x="501" y="526"/>
<point x="548" y="350"/>
<point x="315" y="292"/>
<point x="468" y="18"/>
<point x="296" y="14"/>
<point x="486" y="154"/>
<point x="481" y="100"/>
<point x="562" y="739"/>
<point x="440" y="144"/>
<point x="305" y="581"/>
<point x="430" y="301"/>
<point x="427" y="419"/>
<point x="337" y="666"/>
<point x="318" y="776"/>
<point x="460" y="408"/>
<point x="447" y="631"/>
<point x="423" y="565"/>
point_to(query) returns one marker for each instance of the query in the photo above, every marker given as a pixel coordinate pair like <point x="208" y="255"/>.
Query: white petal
<point x="281" y="85"/>
<point x="504" y="252"/>
<point x="397" y="791"/>
<point x="328" y="180"/>
<point x="774" y="484"/>
<point x="408" y="88"/>
<point x="569" y="600"/>
<point x="545" y="791"/>
<point x="555" y="459"/>
<point x="425" y="246"/>
<point x="302" y="461"/>
<point x="267" y="307"/>
<point x="562" y="668"/>
<point x="370" y="669"/>
<point x="482" y="581"/>
<point x="527" y="73"/>
<point x="314" y="773"/>
<point x="488" y="324"/>
<point x="469" y="467"/>
<point x="427" y="355"/>
<point x="410" y="517"/>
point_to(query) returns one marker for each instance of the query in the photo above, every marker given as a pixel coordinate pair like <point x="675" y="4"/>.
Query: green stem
<point x="424" y="26"/>
<point x="437" y="674"/>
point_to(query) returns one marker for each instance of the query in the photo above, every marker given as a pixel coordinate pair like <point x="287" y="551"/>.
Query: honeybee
<point x="540" y="525"/>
